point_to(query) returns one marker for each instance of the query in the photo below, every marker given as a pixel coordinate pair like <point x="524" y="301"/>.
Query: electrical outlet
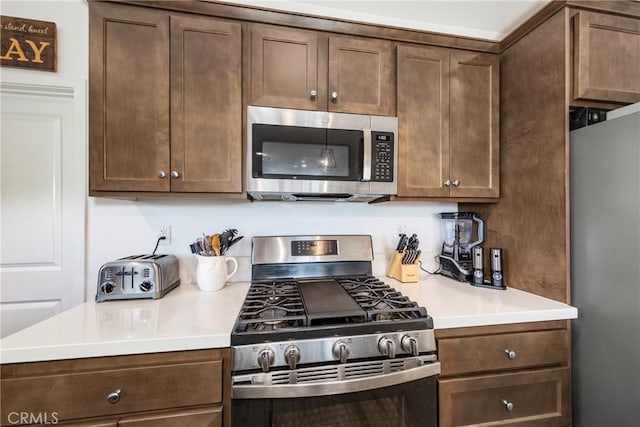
<point x="165" y="231"/>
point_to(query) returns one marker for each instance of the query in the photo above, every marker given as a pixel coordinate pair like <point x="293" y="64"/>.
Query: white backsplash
<point x="118" y="228"/>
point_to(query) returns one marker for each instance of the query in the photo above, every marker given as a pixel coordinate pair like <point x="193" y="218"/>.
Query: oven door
<point x="402" y="398"/>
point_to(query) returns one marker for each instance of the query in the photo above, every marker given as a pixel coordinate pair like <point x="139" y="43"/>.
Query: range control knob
<point x="266" y="357"/>
<point x="108" y="287"/>
<point x="146" y="286"/>
<point x="409" y="344"/>
<point x="341" y="351"/>
<point x="292" y="356"/>
<point x="387" y="346"/>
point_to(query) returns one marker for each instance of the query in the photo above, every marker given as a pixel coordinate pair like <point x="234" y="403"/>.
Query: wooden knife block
<point x="406" y="273"/>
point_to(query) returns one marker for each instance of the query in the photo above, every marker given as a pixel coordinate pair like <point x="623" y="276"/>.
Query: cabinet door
<point x="423" y="122"/>
<point x="474" y="121"/>
<point x="361" y="76"/>
<point x="606" y="58"/>
<point x="524" y="399"/>
<point x="285" y="69"/>
<point x="206" y="111"/>
<point x="205" y="417"/>
<point x="128" y="99"/>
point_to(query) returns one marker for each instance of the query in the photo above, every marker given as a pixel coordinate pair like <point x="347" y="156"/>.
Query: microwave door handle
<point x="366" y="157"/>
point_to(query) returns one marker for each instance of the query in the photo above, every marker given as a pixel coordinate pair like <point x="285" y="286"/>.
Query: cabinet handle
<point x="175" y="174"/>
<point x="334" y="95"/>
<point x="313" y="93"/>
<point x="114" y="397"/>
<point x="507" y="405"/>
<point x="456" y="183"/>
<point x="162" y="174"/>
<point x="447" y="183"/>
<point x="510" y="354"/>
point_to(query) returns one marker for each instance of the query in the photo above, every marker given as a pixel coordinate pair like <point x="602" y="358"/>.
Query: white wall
<point x="117" y="228"/>
<point x="72" y="22"/>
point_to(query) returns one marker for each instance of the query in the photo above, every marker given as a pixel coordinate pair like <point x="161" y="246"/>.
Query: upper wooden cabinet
<point x="303" y="69"/>
<point x="606" y="58"/>
<point x="144" y="64"/>
<point x="448" y="123"/>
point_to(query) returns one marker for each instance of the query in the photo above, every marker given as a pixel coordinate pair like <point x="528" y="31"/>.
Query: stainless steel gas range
<point x="319" y="341"/>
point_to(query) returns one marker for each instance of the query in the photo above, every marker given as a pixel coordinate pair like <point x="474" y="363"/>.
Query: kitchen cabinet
<point x="293" y="68"/>
<point x="606" y="57"/>
<point x="165" y="102"/>
<point x="448" y="114"/>
<point x="165" y="389"/>
<point x="505" y="375"/>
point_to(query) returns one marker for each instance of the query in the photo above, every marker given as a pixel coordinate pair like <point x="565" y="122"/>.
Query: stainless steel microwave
<point x="316" y="155"/>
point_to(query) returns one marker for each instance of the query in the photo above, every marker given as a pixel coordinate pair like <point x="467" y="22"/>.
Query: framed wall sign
<point x="27" y="43"/>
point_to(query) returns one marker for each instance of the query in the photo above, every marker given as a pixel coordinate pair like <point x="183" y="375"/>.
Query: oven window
<point x="292" y="152"/>
<point x="406" y="405"/>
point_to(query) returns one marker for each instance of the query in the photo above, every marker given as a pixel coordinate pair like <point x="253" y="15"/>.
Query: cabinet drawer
<point x="503" y="351"/>
<point x="530" y="398"/>
<point x="85" y="394"/>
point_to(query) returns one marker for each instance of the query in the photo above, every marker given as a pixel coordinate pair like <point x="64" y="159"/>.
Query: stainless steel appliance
<point x="315" y="155"/>
<point x="461" y="232"/>
<point x="319" y="341"/>
<point x="138" y="276"/>
<point x="605" y="278"/>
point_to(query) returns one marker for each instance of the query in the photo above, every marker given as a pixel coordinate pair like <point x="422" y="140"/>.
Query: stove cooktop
<point x="286" y="309"/>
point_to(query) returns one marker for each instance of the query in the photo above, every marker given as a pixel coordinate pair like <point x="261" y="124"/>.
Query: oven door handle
<point x="313" y="389"/>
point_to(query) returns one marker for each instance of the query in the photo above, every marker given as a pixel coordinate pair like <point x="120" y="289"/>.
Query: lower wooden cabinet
<point x="530" y="398"/>
<point x="509" y="375"/>
<point x="161" y="389"/>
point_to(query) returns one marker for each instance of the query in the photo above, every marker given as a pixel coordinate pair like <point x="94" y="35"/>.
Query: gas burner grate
<point x="271" y="306"/>
<point x="380" y="301"/>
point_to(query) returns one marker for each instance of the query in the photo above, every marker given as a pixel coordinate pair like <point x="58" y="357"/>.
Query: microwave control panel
<point x="382" y="156"/>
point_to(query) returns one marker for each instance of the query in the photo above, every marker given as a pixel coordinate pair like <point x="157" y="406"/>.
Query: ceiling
<point x="484" y="19"/>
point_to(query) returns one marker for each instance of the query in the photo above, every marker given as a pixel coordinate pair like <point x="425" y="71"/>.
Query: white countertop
<point x="184" y="319"/>
<point x="188" y="319"/>
<point x="455" y="304"/>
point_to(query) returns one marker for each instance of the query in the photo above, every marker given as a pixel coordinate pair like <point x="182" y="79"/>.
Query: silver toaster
<point x="138" y="276"/>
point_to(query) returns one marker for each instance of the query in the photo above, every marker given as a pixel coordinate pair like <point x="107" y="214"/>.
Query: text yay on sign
<point x="27" y="43"/>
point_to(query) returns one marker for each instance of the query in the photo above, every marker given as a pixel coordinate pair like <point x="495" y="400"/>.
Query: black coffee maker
<point x="461" y="232"/>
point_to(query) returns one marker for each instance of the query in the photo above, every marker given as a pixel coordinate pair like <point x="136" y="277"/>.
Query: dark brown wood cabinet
<point x="511" y="375"/>
<point x="160" y="389"/>
<point x="606" y="57"/>
<point x="165" y="102"/>
<point x="448" y="113"/>
<point x="293" y="68"/>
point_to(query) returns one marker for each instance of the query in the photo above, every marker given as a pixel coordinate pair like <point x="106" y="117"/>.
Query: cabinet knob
<point x="507" y="405"/>
<point x="447" y="183"/>
<point x="313" y="93"/>
<point x="114" y="397"/>
<point x="511" y="354"/>
<point x="175" y="174"/>
<point x="162" y="174"/>
<point x="334" y="95"/>
<point x="456" y="183"/>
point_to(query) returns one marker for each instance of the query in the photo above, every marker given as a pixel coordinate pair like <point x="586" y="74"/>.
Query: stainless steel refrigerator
<point x="605" y="270"/>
